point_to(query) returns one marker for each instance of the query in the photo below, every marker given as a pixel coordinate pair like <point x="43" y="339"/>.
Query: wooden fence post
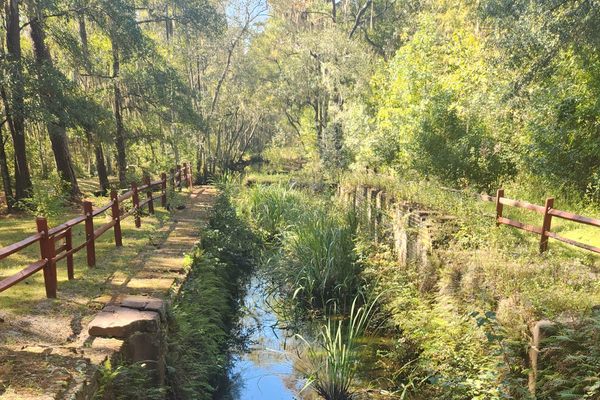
<point x="135" y="198"/>
<point x="149" y="196"/>
<point x="116" y="216"/>
<point x="178" y="176"/>
<point x="546" y="225"/>
<point x="499" y="206"/>
<point x="47" y="252"/>
<point x="69" y="247"/>
<point x="89" y="233"/>
<point x="163" y="186"/>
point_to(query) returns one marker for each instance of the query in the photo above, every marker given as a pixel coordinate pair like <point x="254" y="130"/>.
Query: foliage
<point x="315" y="258"/>
<point x="570" y="360"/>
<point x="123" y="382"/>
<point x="320" y="259"/>
<point x="451" y="345"/>
<point x="49" y="198"/>
<point x="273" y="209"/>
<point x="205" y="314"/>
<point x="333" y="359"/>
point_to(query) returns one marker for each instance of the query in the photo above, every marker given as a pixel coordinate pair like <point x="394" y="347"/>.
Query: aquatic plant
<point x="331" y="361"/>
<point x="319" y="260"/>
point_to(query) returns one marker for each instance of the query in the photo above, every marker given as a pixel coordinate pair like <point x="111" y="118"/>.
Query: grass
<point x="320" y="256"/>
<point x="466" y="334"/>
<point x="314" y="241"/>
<point x="444" y="352"/>
<point x="479" y="215"/>
<point x="88" y="282"/>
<point x="333" y="360"/>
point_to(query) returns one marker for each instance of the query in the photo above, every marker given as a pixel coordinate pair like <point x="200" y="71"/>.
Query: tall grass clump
<point x="330" y="364"/>
<point x="313" y="250"/>
<point x="273" y="209"/>
<point x="319" y="259"/>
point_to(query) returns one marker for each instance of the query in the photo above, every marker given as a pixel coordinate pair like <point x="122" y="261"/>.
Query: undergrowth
<point x="465" y="335"/>
<point x="206" y="312"/>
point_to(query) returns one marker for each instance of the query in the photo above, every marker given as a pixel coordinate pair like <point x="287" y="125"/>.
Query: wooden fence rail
<point x="547" y="211"/>
<point x="48" y="238"/>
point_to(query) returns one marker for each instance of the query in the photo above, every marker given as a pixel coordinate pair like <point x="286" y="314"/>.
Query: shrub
<point x="49" y="198"/>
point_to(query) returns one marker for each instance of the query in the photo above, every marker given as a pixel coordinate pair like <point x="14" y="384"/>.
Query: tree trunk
<point x="109" y="165"/>
<point x="17" y="111"/>
<point x="48" y="94"/>
<point x="101" y="168"/>
<point x="120" y="130"/>
<point x="333" y="10"/>
<point x="94" y="140"/>
<point x="6" y="184"/>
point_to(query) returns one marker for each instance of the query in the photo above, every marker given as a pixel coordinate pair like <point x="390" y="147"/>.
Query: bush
<point x="49" y="198"/>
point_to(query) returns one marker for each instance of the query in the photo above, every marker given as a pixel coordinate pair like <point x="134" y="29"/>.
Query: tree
<point x="14" y="103"/>
<point x="52" y="98"/>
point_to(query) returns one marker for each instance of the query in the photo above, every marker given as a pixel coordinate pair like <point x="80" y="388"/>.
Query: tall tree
<point x="93" y="139"/>
<point x="118" y="110"/>
<point x="49" y="92"/>
<point x="14" y="102"/>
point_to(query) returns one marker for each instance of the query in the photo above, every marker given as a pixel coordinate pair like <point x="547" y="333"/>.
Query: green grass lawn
<point x="88" y="282"/>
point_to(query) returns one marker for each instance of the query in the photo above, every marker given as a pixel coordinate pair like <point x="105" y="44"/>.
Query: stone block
<point x="539" y="331"/>
<point x="142" y="303"/>
<point x="121" y="322"/>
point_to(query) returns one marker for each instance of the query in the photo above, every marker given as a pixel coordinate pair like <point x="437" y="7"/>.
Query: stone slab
<point x="142" y="303"/>
<point x="121" y="322"/>
<point x="151" y="285"/>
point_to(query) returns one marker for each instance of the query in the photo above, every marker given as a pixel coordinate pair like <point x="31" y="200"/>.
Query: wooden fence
<point x="49" y="237"/>
<point x="547" y="211"/>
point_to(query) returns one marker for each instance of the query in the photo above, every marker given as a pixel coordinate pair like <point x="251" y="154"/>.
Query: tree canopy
<point x="473" y="93"/>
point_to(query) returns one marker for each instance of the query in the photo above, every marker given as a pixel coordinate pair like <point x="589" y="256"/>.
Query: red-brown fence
<point x="547" y="211"/>
<point x="49" y="237"/>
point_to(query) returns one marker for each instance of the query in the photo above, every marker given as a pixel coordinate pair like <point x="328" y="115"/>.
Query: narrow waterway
<point x="266" y="369"/>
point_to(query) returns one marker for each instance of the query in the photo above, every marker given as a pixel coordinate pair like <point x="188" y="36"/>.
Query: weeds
<point x="123" y="382"/>
<point x="272" y="210"/>
<point x="314" y="260"/>
<point x="320" y="261"/>
<point x="570" y="361"/>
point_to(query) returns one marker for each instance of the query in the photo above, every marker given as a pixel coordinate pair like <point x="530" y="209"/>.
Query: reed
<point x="331" y="362"/>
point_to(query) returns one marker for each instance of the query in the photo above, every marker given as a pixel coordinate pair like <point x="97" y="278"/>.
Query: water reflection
<point x="266" y="369"/>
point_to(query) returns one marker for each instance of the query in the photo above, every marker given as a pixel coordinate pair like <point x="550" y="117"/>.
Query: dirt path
<point x="49" y="354"/>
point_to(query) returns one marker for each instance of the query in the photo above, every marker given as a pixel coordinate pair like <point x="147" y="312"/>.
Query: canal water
<point x="265" y="370"/>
